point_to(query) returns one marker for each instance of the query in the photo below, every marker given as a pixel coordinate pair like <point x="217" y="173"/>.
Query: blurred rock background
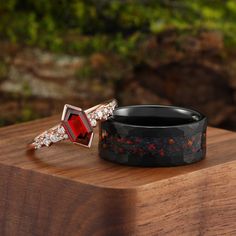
<point x="141" y="52"/>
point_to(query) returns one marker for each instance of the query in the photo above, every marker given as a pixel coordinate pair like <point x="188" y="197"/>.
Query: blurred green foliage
<point x="87" y="26"/>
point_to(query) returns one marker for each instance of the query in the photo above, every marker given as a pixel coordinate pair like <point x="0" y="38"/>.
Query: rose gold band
<point x="58" y="133"/>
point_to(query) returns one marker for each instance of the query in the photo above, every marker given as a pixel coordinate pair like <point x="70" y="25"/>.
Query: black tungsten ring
<point x="153" y="135"/>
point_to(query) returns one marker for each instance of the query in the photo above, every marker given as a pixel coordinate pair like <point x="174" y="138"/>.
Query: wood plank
<point x="69" y="190"/>
<point x="81" y="164"/>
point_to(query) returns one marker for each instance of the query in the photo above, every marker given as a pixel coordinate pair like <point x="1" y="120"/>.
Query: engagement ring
<point x="76" y="125"/>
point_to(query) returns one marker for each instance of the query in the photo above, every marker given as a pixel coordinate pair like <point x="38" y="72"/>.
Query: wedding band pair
<point x="76" y="125"/>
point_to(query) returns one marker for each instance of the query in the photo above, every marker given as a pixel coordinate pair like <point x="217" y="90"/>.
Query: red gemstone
<point x="151" y="146"/>
<point x="77" y="125"/>
<point x="161" y="152"/>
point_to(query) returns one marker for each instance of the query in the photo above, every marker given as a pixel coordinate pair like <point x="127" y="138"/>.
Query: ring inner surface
<point x="155" y="115"/>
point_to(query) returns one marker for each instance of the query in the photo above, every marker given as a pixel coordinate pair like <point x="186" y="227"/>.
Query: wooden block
<point x="67" y="190"/>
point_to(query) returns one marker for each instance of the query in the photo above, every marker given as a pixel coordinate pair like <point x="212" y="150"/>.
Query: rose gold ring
<point x="76" y="125"/>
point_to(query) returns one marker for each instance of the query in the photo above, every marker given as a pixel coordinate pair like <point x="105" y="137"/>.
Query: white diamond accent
<point x="99" y="114"/>
<point x="61" y="130"/>
<point x="105" y="110"/>
<point x="93" y="122"/>
<point x="46" y="142"/>
<point x="54" y="138"/>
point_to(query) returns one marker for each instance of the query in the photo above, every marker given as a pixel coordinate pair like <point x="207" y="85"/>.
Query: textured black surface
<point x="145" y="145"/>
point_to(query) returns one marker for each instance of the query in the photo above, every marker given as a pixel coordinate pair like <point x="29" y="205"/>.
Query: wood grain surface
<point x="68" y="190"/>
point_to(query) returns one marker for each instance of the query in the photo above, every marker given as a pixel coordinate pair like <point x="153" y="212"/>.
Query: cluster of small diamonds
<point x="102" y="113"/>
<point x="51" y="136"/>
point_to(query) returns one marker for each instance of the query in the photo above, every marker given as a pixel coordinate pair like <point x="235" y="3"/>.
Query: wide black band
<point x="153" y="135"/>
